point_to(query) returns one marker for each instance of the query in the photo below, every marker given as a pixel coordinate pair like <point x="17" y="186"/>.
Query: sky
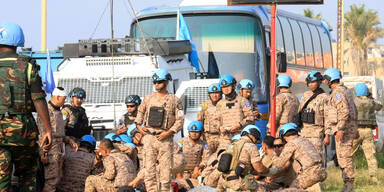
<point x="71" y="20"/>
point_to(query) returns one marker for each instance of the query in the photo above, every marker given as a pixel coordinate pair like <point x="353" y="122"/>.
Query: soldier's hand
<point x="74" y="145"/>
<point x="326" y="140"/>
<point x="46" y="142"/>
<point x="164" y="135"/>
<point x="339" y="135"/>
<point x="195" y="173"/>
<point x="142" y="129"/>
<point x="223" y="129"/>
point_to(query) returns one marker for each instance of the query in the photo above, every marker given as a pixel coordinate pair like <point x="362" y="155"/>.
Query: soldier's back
<point x="305" y="154"/>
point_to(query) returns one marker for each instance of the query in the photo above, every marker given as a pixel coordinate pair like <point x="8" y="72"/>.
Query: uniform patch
<point x="180" y="113"/>
<point x="247" y="104"/>
<point x="180" y="143"/>
<point x="206" y="147"/>
<point x="339" y="96"/>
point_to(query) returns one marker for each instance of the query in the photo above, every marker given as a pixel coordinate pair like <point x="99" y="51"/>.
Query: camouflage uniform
<point x="341" y="114"/>
<point x="208" y="116"/>
<point x="366" y="108"/>
<point x="249" y="154"/>
<point x="77" y="123"/>
<point x="196" y="153"/>
<point x="210" y="173"/>
<point x="306" y="163"/>
<point x="18" y="127"/>
<point x="118" y="172"/>
<point x="286" y="107"/>
<point x="231" y="112"/>
<point x="130" y="151"/>
<point x="315" y="132"/>
<point x="154" y="149"/>
<point x="53" y="169"/>
<point x="77" y="167"/>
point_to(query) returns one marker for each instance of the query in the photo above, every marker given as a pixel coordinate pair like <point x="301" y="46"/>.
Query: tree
<point x="361" y="31"/>
<point x="308" y="12"/>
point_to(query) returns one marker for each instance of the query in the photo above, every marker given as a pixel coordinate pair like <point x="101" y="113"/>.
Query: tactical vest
<point x="81" y="125"/>
<point x="365" y="111"/>
<point x="231" y="111"/>
<point x="125" y="171"/>
<point x="210" y="123"/>
<point x="193" y="154"/>
<point x="127" y="120"/>
<point x="14" y="78"/>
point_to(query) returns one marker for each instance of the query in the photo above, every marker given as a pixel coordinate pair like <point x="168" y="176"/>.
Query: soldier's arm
<point x="205" y="157"/>
<point x="280" y="102"/>
<point x="341" y="104"/>
<point x="200" y="114"/>
<point x="378" y="106"/>
<point x="285" y="155"/>
<point x="109" y="168"/>
<point x="256" y="160"/>
<point x="249" y="118"/>
<point x="179" y="109"/>
<point x="139" y="120"/>
<point x="323" y="109"/>
<point x="70" y="118"/>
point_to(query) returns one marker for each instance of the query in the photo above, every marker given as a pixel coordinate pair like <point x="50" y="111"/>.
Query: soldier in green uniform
<point x="21" y="94"/>
<point x="366" y="120"/>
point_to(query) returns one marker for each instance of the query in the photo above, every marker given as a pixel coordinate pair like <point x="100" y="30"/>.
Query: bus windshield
<point x="234" y="41"/>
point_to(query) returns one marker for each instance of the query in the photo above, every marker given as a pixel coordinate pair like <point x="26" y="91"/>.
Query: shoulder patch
<point x="206" y="147"/>
<point x="338" y="96"/>
<point x="180" y="143"/>
<point x="65" y="115"/>
<point x="247" y="104"/>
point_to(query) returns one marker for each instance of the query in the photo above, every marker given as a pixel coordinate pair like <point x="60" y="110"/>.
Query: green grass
<point x="363" y="183"/>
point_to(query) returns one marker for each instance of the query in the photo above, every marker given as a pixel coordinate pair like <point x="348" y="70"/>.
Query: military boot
<point x="348" y="186"/>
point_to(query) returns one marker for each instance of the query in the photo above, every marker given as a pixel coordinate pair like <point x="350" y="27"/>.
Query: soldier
<point x="341" y="117"/>
<point x="195" y="151"/>
<point x="246" y="86"/>
<point x="208" y="116"/>
<point x="279" y="145"/>
<point x="78" y="166"/>
<point x="52" y="159"/>
<point x="286" y="102"/>
<point x="366" y="119"/>
<point x="77" y="124"/>
<point x="306" y="160"/>
<point x="132" y="102"/>
<point x="311" y="112"/>
<point x="162" y="115"/>
<point x="234" y="111"/>
<point x="21" y="94"/>
<point x="245" y="162"/>
<point x="118" y="170"/>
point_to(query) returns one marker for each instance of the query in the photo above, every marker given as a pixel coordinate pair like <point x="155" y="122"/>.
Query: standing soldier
<point x="208" y="116"/>
<point x="306" y="161"/>
<point x="311" y="112"/>
<point x="366" y="119"/>
<point x="52" y="159"/>
<point x="341" y="117"/>
<point x="162" y="115"/>
<point x="21" y="94"/>
<point x="286" y="102"/>
<point x="234" y="111"/>
<point x="132" y="102"/>
<point x="246" y="86"/>
<point x="77" y="124"/>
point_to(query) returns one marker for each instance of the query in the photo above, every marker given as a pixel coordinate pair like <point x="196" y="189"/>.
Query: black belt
<point x="150" y="133"/>
<point x="230" y="178"/>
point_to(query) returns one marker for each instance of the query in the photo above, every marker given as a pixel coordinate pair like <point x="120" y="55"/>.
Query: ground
<point x="334" y="181"/>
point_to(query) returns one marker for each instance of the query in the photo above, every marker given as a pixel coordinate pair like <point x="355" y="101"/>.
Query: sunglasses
<point x="158" y="82"/>
<point x="131" y="106"/>
<point x="278" y="145"/>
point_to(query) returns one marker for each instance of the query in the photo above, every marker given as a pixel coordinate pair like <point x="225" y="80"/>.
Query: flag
<point x="185" y="34"/>
<point x="49" y="81"/>
<point x="213" y="69"/>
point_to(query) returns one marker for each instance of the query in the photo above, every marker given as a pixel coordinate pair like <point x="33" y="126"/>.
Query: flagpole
<point x="178" y="23"/>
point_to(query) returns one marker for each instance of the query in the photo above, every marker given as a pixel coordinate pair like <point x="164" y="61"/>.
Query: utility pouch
<point x="156" y="117"/>
<point x="240" y="168"/>
<point x="225" y="163"/>
<point x="308" y="116"/>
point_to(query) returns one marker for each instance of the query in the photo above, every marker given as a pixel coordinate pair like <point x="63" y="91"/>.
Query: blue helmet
<point x="314" y="76"/>
<point x="332" y="74"/>
<point x="195" y="126"/>
<point x="287" y="127"/>
<point x="236" y="137"/>
<point x="125" y="139"/>
<point x="132" y="130"/>
<point x="361" y="90"/>
<point x="78" y="92"/>
<point x="214" y="88"/>
<point x="113" y="137"/>
<point x="246" y="84"/>
<point x="284" y="80"/>
<point x="227" y="80"/>
<point x="252" y="130"/>
<point x="161" y="75"/>
<point x="11" y="34"/>
<point x="133" y="99"/>
<point x="89" y="139"/>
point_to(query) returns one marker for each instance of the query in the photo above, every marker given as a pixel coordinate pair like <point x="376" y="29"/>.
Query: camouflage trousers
<point x="95" y="183"/>
<point x="25" y="161"/>
<point x="53" y="169"/>
<point x="366" y="142"/>
<point x="160" y="152"/>
<point x="212" y="141"/>
<point x="344" y="156"/>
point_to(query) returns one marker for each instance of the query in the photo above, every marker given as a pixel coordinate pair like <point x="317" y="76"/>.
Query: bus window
<point x="307" y="44"/>
<point x="288" y="40"/>
<point x="299" y="47"/>
<point x="327" y="49"/>
<point x="279" y="37"/>
<point x="316" y="46"/>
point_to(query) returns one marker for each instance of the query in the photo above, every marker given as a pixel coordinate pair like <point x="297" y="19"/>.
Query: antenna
<point x="113" y="67"/>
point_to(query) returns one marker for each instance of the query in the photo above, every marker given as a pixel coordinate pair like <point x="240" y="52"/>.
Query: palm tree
<point x="308" y="12"/>
<point x="361" y="31"/>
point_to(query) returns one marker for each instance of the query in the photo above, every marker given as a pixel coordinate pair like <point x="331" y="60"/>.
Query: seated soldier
<point x="118" y="170"/>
